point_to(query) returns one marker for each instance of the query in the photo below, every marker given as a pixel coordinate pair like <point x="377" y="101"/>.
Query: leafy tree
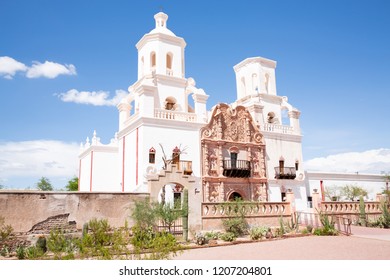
<point x="332" y="193"/>
<point x="351" y="192"/>
<point x="44" y="184"/>
<point x="73" y="184"/>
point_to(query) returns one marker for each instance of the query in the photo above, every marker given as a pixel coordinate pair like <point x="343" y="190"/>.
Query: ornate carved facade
<point x="233" y="157"/>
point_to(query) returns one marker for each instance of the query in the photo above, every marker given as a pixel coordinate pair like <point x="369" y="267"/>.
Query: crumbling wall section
<point x="38" y="211"/>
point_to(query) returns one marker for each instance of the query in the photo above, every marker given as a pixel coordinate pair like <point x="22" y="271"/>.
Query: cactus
<point x="85" y="229"/>
<point x="185" y="214"/>
<point x="41" y="244"/>
<point x="362" y="209"/>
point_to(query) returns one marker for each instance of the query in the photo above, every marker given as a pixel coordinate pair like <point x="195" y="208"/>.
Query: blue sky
<point x="332" y="58"/>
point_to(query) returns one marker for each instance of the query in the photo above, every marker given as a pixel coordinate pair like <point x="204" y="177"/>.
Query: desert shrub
<point x="384" y="220"/>
<point x="228" y="236"/>
<point x="235" y="225"/>
<point x="103" y="242"/>
<point x="200" y="238"/>
<point x="328" y="226"/>
<point x="149" y="244"/>
<point x="5" y="230"/>
<point x="211" y="235"/>
<point x="21" y="252"/>
<point x="61" y="245"/>
<point x="41" y="244"/>
<point x="257" y="233"/>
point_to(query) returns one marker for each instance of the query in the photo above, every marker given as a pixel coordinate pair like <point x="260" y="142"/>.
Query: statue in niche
<point x="213" y="193"/>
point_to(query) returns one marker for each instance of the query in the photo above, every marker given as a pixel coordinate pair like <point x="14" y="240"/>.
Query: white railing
<point x="172" y="115"/>
<point x="278" y="128"/>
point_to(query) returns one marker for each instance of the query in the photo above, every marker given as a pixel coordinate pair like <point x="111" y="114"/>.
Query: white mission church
<point x="234" y="150"/>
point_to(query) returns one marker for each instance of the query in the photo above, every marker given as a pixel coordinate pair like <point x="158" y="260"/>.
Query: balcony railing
<point x="186" y="166"/>
<point x="172" y="115"/>
<point x="237" y="168"/>
<point x="285" y="173"/>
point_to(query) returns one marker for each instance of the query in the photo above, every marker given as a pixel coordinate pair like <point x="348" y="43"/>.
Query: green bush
<point x="61" y="245"/>
<point x="5" y="230"/>
<point x="257" y="233"/>
<point x="21" y="252"/>
<point x="235" y="225"/>
<point x="228" y="236"/>
<point x="211" y="235"/>
<point x="41" y="244"/>
<point x="152" y="245"/>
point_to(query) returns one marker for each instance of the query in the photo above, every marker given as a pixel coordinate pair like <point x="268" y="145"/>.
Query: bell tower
<point x="161" y="51"/>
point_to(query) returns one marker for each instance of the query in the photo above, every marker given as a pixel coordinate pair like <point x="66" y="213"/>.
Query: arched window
<point x="271" y="118"/>
<point x="255" y="86"/>
<point x="169" y="61"/>
<point x="176" y="155"/>
<point x="170" y="103"/>
<point x="153" y="60"/>
<point x="152" y="155"/>
<point x="243" y="86"/>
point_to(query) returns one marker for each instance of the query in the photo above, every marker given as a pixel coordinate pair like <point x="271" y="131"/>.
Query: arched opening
<point x="153" y="61"/>
<point x="169" y="60"/>
<point x="271" y="118"/>
<point x="170" y="103"/>
<point x="255" y="85"/>
<point x="235" y="196"/>
<point x="243" y="87"/>
<point x="171" y="194"/>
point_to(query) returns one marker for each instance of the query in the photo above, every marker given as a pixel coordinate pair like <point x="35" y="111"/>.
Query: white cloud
<point x="50" y="70"/>
<point x="9" y="67"/>
<point x="96" y="98"/>
<point x="38" y="158"/>
<point x="371" y="161"/>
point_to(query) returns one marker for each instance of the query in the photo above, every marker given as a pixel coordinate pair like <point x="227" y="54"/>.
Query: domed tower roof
<point x="161" y="24"/>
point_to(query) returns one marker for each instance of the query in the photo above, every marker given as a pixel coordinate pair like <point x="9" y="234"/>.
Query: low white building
<point x="238" y="150"/>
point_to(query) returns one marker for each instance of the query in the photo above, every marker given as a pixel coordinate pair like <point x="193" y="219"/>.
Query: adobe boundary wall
<point x="23" y="210"/>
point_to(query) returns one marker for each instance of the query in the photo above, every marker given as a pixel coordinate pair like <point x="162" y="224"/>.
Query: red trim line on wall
<point x="123" y="164"/>
<point x="90" y="181"/>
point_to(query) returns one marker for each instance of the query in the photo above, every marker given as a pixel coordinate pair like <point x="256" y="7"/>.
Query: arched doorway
<point x="235" y="196"/>
<point x="171" y="194"/>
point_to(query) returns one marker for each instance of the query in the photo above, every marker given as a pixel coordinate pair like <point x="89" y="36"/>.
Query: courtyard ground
<point x="363" y="244"/>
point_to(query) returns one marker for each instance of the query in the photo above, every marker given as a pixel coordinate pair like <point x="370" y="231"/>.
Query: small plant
<point x="62" y="246"/>
<point x="228" y="236"/>
<point x="309" y="228"/>
<point x="212" y="235"/>
<point x="41" y="244"/>
<point x="257" y="233"/>
<point x="4" y="251"/>
<point x="5" y="230"/>
<point x="21" y="252"/>
<point x="328" y="227"/>
<point x="293" y="224"/>
<point x="282" y="228"/>
<point x="200" y="238"/>
<point x="384" y="220"/>
<point x="362" y="209"/>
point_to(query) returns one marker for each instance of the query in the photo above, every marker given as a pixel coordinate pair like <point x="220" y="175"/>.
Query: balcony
<point x="186" y="166"/>
<point x="237" y="168"/>
<point x="285" y="173"/>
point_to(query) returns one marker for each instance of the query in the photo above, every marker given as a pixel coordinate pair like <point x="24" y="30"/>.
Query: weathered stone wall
<point x="36" y="210"/>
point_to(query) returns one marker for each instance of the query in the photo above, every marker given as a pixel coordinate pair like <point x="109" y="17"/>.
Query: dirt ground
<point x="363" y="244"/>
